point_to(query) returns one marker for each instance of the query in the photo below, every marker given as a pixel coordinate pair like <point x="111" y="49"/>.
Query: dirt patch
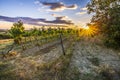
<point x="87" y="57"/>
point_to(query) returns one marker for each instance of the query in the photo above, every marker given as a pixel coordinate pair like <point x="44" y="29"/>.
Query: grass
<point x="95" y="60"/>
<point x="107" y="72"/>
<point x="5" y="44"/>
<point x="6" y="71"/>
<point x="28" y="69"/>
<point x="55" y="70"/>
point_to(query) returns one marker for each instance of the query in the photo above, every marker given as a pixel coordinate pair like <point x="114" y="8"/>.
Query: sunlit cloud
<point x="59" y="6"/>
<point x="63" y="11"/>
<point x="84" y="8"/>
<point x="55" y="15"/>
<point x="62" y="19"/>
<point x="81" y="13"/>
<point x="37" y="21"/>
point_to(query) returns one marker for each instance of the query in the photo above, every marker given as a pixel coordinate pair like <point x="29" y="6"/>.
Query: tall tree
<point x="107" y="19"/>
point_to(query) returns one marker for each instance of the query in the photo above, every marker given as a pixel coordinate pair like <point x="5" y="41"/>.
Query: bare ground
<point x="90" y="58"/>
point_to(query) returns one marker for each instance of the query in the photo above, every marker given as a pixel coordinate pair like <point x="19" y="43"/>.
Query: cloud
<point x="81" y="13"/>
<point x="59" y="6"/>
<point x="62" y="19"/>
<point x="55" y="15"/>
<point x="74" y="6"/>
<point x="84" y="8"/>
<point x="37" y="2"/>
<point x="39" y="21"/>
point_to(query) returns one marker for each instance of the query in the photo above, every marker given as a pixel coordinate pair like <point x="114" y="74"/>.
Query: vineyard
<point x="56" y="54"/>
<point x="59" y="39"/>
<point x="33" y="50"/>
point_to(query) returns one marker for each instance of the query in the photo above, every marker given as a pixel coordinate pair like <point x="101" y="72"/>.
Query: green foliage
<point x="5" y="36"/>
<point x="17" y="31"/>
<point x="34" y="32"/>
<point x="107" y="19"/>
<point x="6" y="71"/>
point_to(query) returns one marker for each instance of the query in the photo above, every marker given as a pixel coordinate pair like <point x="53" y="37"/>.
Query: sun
<point x="85" y="27"/>
<point x="88" y="31"/>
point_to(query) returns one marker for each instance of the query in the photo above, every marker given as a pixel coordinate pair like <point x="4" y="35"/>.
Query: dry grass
<point x="28" y="67"/>
<point x="5" y="41"/>
<point x="31" y="67"/>
<point x="55" y="70"/>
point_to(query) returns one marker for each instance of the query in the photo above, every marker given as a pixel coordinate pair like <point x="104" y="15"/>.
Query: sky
<point x="70" y="10"/>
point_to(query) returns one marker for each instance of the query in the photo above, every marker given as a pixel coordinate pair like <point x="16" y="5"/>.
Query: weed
<point x="94" y="60"/>
<point x="107" y="72"/>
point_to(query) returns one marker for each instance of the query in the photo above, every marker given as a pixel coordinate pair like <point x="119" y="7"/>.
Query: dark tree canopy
<point x="107" y="19"/>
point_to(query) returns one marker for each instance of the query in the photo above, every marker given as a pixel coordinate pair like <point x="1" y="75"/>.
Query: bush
<point x="111" y="43"/>
<point x="5" y="36"/>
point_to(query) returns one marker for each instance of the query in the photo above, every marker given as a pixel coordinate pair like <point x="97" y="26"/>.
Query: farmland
<point x="42" y="57"/>
<point x="59" y="39"/>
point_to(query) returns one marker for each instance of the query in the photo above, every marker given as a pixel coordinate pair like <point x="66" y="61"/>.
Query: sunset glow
<point x="85" y="27"/>
<point x="88" y="31"/>
<point x="44" y="12"/>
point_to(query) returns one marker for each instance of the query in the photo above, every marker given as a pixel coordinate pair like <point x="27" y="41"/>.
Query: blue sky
<point x="73" y="10"/>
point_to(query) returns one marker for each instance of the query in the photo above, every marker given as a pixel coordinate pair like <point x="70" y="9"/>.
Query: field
<point x="59" y="39"/>
<point x="43" y="58"/>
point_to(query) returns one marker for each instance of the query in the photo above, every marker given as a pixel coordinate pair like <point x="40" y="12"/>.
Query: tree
<point x="17" y="31"/>
<point x="107" y="19"/>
